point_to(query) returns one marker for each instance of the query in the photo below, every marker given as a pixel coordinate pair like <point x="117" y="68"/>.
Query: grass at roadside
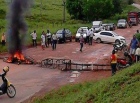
<point x="122" y="88"/>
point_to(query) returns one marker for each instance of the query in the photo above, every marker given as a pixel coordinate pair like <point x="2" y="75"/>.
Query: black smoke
<point x="17" y="27"/>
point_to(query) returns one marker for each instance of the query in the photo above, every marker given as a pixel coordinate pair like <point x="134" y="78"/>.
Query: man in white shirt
<point x="137" y="54"/>
<point x="34" y="37"/>
<point x="54" y="41"/>
<point x="91" y="34"/>
<point x="43" y="40"/>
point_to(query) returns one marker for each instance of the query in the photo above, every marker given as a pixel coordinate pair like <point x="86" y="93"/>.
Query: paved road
<point x="28" y="79"/>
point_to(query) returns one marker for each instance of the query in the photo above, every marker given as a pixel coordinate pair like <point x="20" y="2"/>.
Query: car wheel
<point x="75" y="40"/>
<point x="98" y="40"/>
<point x="117" y="41"/>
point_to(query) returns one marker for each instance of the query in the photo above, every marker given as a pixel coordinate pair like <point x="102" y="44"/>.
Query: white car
<point x="108" y="36"/>
<point x="122" y="23"/>
<point x="97" y="25"/>
<point x="78" y="34"/>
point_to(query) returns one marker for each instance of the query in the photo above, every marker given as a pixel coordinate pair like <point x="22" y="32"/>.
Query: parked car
<point x="122" y="23"/>
<point x="112" y="26"/>
<point x="108" y="36"/>
<point x="68" y="35"/>
<point x="78" y="33"/>
<point x="97" y="25"/>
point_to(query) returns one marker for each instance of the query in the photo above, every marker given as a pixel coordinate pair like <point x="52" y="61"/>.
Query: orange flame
<point x="19" y="57"/>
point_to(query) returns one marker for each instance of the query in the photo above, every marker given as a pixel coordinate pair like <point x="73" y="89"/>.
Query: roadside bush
<point x="119" y="16"/>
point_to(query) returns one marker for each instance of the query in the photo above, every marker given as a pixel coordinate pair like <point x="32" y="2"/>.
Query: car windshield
<point x="110" y="24"/>
<point x="132" y="16"/>
<point x="115" y="34"/>
<point x="84" y="31"/>
<point x="95" y="26"/>
<point x="59" y="32"/>
<point x="121" y="21"/>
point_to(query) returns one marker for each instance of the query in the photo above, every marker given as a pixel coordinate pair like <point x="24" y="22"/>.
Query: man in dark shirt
<point x="133" y="46"/>
<point x="64" y="35"/>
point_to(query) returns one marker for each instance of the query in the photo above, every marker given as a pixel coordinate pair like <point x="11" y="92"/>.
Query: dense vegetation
<point x="95" y="9"/>
<point x="122" y="88"/>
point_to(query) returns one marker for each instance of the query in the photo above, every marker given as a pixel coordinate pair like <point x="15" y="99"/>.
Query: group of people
<point x="88" y="39"/>
<point x="46" y="39"/>
<point x="134" y="51"/>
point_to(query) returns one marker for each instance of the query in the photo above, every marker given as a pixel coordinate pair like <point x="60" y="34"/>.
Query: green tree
<point x="75" y="8"/>
<point x="117" y="6"/>
<point x="98" y="9"/>
<point x="94" y="9"/>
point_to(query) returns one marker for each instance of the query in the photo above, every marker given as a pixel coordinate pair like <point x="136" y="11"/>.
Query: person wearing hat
<point x="5" y="70"/>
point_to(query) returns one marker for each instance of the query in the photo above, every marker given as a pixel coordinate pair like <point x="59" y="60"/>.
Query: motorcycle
<point x="7" y="87"/>
<point x="124" y="62"/>
<point x="121" y="46"/>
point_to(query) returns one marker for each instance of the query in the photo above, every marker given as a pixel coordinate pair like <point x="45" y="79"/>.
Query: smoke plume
<point x="17" y="27"/>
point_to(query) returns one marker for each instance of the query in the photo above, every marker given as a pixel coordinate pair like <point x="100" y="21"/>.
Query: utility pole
<point x="64" y="5"/>
<point x="64" y="9"/>
<point x="87" y="12"/>
<point x="41" y="7"/>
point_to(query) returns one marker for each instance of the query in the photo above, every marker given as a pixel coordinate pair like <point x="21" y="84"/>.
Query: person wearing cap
<point x="133" y="46"/>
<point x="113" y="62"/>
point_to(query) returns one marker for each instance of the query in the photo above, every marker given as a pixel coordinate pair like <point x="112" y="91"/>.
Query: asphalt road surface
<point x="29" y="79"/>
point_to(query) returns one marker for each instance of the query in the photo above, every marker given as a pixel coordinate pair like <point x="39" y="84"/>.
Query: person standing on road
<point x="91" y="32"/>
<point x="46" y="39"/>
<point x="137" y="54"/>
<point x="54" y="41"/>
<point x="43" y="40"/>
<point x="88" y="35"/>
<point x="49" y="37"/>
<point x="34" y="38"/>
<point x="133" y="46"/>
<point x="82" y="34"/>
<point x="3" y="39"/>
<point x="113" y="62"/>
<point x="64" y="35"/>
<point x="81" y="42"/>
